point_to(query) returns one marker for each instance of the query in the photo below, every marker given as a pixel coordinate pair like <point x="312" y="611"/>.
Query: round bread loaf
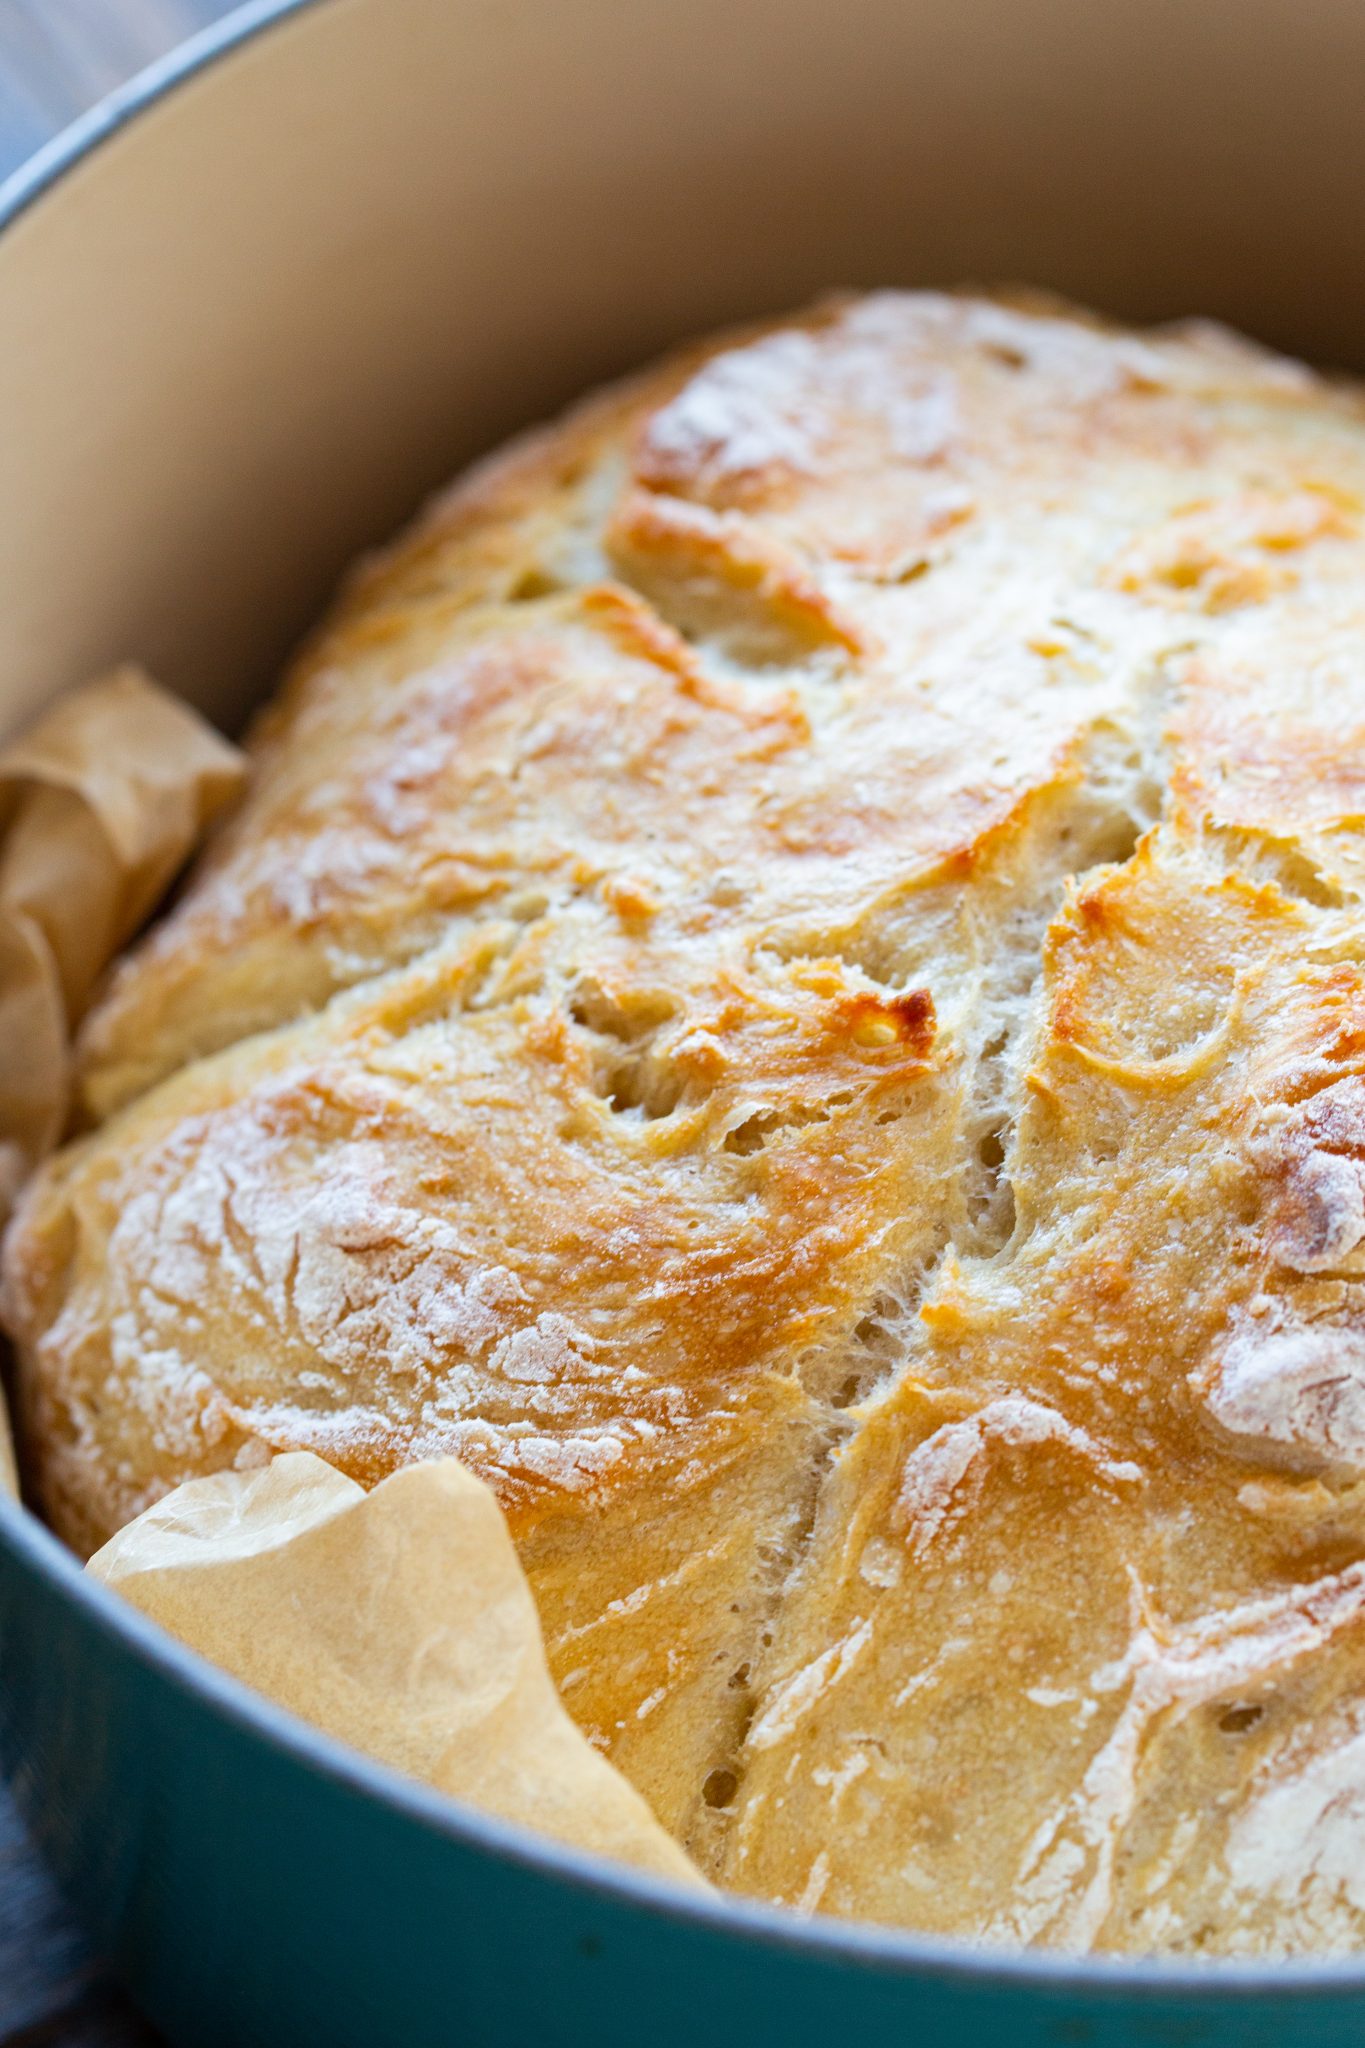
<point x="790" y="987"/>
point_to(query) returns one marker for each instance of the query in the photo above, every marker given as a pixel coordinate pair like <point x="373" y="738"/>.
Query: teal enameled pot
<point x="249" y="311"/>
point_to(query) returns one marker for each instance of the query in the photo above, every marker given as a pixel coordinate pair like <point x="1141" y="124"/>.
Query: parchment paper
<point x="101" y="803"/>
<point x="399" y="1621"/>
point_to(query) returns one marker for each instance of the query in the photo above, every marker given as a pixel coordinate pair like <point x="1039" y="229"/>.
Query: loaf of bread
<point x="790" y="986"/>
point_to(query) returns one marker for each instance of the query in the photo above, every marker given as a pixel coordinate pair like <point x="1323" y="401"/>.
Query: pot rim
<point x="861" y="1946"/>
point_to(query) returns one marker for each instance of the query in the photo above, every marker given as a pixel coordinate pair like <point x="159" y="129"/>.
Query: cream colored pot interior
<point x="246" y="333"/>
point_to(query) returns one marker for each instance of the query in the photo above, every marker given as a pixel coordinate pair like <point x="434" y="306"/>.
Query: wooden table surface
<point x="56" y="58"/>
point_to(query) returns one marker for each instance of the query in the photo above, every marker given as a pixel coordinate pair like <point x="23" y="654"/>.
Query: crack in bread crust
<point x="790" y="986"/>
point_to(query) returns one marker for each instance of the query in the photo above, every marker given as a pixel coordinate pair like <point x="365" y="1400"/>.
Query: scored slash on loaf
<point x="790" y="986"/>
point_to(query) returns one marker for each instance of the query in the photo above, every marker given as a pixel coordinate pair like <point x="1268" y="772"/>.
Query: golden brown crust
<point x="791" y="985"/>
